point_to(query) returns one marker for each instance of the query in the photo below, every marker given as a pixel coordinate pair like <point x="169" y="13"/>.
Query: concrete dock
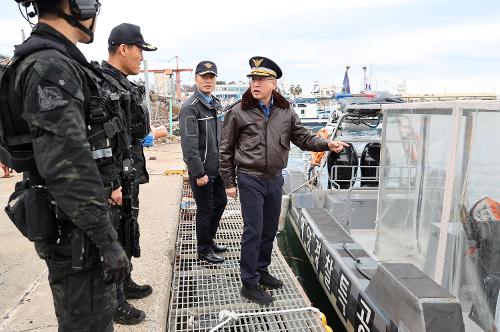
<point x="25" y="297"/>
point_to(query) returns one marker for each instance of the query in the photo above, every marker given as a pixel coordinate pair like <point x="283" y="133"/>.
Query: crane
<point x="177" y="72"/>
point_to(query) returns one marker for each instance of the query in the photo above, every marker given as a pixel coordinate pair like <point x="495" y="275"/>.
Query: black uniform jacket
<point x="200" y="135"/>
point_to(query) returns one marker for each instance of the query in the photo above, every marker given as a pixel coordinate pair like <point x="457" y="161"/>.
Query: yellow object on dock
<point x="177" y="171"/>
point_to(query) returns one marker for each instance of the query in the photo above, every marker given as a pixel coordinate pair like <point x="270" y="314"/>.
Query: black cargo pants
<point x="82" y="301"/>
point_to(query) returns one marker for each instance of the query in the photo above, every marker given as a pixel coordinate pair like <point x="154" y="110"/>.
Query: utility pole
<point x="178" y="71"/>
<point x="23" y="36"/>
<point x="167" y="72"/>
<point x="146" y="86"/>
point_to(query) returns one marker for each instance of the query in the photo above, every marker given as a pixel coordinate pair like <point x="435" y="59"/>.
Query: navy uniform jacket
<point x="200" y="135"/>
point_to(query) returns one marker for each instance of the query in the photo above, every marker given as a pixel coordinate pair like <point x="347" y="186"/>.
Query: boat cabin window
<point x="439" y="200"/>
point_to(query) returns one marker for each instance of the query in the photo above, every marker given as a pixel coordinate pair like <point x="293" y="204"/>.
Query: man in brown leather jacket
<point x="254" y="149"/>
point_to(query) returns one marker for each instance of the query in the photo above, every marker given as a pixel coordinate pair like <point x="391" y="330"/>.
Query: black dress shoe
<point x="256" y="294"/>
<point x="267" y="280"/>
<point x="211" y="257"/>
<point x="219" y="248"/>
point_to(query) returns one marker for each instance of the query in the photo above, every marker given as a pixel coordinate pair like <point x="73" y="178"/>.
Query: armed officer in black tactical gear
<point x="125" y="46"/>
<point x="62" y="129"/>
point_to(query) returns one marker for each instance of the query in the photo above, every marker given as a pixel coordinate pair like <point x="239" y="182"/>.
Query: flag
<point x="345" y="85"/>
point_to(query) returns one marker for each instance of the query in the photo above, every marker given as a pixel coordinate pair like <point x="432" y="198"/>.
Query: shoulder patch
<point x="60" y="72"/>
<point x="50" y="97"/>
<point x="194" y="102"/>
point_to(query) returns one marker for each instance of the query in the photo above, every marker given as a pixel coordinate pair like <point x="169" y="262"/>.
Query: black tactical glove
<point x="115" y="263"/>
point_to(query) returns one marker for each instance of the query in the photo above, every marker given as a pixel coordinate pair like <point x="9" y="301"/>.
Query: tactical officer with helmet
<point x="63" y="129"/>
<point x="125" y="47"/>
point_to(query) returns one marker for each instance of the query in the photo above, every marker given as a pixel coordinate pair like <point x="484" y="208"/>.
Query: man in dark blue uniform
<point x="200" y="133"/>
<point x="254" y="150"/>
<point x="61" y="128"/>
<point x="125" y="47"/>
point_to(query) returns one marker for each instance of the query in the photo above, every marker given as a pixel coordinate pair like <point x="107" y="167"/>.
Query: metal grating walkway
<point x="200" y="290"/>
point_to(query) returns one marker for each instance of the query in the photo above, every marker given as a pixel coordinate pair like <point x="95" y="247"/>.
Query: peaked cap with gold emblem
<point x="206" y="67"/>
<point x="262" y="66"/>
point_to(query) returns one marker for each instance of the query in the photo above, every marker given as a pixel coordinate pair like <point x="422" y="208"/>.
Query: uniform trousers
<point x="116" y="216"/>
<point x="82" y="301"/>
<point x="211" y="200"/>
<point x="260" y="200"/>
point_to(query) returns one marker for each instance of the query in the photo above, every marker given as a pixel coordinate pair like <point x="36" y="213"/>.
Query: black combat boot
<point x="267" y="280"/>
<point x="256" y="294"/>
<point x="135" y="291"/>
<point x="127" y="314"/>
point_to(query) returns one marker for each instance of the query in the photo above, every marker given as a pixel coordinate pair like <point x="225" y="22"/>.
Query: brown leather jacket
<point x="260" y="147"/>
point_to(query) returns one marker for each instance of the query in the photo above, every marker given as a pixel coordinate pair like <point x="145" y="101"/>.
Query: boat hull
<point x="368" y="295"/>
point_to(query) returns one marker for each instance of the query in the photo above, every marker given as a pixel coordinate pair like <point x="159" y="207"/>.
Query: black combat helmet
<point x="81" y="10"/>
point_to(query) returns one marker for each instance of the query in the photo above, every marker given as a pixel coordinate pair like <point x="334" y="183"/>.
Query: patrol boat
<point x="409" y="242"/>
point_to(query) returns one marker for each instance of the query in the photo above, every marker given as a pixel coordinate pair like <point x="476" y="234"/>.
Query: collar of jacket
<point x="248" y="101"/>
<point x="116" y="74"/>
<point x="43" y="36"/>
<point x="203" y="100"/>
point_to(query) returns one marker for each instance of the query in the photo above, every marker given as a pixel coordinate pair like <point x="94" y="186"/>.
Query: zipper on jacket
<point x="206" y="119"/>
<point x="265" y="125"/>
<point x="206" y="141"/>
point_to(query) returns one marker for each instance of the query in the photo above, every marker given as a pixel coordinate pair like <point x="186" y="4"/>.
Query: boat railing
<point x="336" y="181"/>
<point x="357" y="183"/>
<point x="337" y="176"/>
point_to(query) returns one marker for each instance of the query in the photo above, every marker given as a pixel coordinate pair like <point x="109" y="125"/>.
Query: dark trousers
<point x="210" y="200"/>
<point x="116" y="215"/>
<point x="260" y="205"/>
<point x="120" y="294"/>
<point x="82" y="301"/>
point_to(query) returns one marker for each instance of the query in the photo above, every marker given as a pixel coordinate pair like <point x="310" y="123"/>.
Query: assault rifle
<point x="129" y="227"/>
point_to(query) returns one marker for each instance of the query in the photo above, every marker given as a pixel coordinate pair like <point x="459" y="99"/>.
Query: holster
<point x="32" y="212"/>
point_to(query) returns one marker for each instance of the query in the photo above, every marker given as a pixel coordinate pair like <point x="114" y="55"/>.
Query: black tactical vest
<point x="104" y="120"/>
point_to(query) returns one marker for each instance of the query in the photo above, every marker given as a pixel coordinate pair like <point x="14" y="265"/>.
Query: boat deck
<point x="200" y="291"/>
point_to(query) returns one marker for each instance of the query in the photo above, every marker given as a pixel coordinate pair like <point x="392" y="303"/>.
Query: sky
<point x="433" y="46"/>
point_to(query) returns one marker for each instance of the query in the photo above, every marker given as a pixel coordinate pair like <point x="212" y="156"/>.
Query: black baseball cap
<point x="129" y="34"/>
<point x="206" y="67"/>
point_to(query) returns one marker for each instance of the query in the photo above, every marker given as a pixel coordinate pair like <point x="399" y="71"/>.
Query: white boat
<point x="310" y="114"/>
<point x="399" y="246"/>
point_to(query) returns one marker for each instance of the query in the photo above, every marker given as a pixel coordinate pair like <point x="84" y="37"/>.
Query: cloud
<point x="431" y="45"/>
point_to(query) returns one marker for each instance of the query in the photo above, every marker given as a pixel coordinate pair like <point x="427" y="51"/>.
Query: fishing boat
<point x="403" y="236"/>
